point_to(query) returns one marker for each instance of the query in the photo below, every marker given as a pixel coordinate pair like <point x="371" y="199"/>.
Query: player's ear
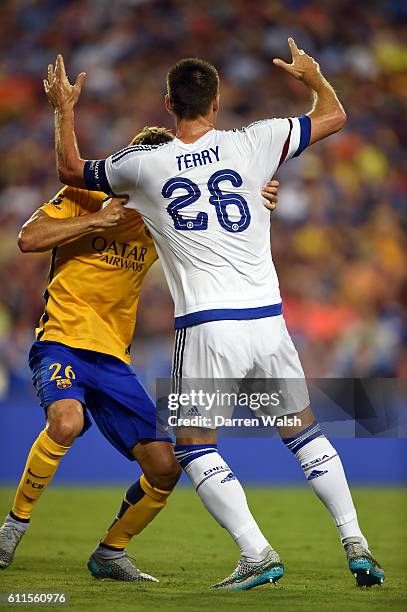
<point x="216" y="104"/>
<point x="168" y="104"/>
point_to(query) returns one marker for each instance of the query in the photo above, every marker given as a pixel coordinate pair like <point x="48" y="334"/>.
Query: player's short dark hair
<point x="152" y="135"/>
<point x="192" y="85"/>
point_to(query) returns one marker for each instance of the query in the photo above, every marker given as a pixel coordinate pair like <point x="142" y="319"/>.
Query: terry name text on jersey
<point x="190" y="160"/>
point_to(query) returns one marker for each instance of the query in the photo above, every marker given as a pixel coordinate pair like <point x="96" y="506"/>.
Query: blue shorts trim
<point x="228" y="314"/>
<point x="107" y="388"/>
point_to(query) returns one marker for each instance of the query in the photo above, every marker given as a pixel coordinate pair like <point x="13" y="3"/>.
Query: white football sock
<point x="324" y="472"/>
<point x="223" y="496"/>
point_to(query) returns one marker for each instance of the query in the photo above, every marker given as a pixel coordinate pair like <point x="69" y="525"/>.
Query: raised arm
<point x="42" y="232"/>
<point x="63" y="96"/>
<point x="327" y="114"/>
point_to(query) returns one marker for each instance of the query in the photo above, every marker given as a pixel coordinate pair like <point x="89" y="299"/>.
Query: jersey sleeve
<point x="68" y="202"/>
<point x="116" y="175"/>
<point x="278" y="140"/>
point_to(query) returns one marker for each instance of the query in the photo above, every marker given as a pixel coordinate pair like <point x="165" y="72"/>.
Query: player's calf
<point x="159" y="464"/>
<point x="325" y="474"/>
<point x="221" y="493"/>
<point x="141" y="504"/>
<point x="64" y="423"/>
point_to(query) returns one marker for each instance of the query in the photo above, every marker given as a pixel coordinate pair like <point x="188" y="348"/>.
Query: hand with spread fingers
<point x="270" y="194"/>
<point x="303" y="67"/>
<point x="57" y="87"/>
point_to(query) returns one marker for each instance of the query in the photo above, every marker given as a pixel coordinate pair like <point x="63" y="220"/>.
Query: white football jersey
<point x="203" y="207"/>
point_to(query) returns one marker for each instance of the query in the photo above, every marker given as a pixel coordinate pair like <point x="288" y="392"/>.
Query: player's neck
<point x="190" y="130"/>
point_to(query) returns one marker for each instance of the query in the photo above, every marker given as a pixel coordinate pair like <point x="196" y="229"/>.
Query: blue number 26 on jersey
<point x="219" y="199"/>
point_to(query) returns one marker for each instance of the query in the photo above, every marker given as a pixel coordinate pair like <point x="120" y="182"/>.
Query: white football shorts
<point x="213" y="362"/>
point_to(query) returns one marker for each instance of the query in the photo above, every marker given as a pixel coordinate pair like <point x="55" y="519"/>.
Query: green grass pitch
<point x="187" y="550"/>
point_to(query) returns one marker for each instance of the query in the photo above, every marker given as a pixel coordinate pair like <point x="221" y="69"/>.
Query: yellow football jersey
<point x="95" y="280"/>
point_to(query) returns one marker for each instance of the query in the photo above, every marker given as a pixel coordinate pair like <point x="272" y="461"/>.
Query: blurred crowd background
<point x="338" y="236"/>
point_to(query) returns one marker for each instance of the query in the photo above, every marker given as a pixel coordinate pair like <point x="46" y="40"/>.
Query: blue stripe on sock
<point x="134" y="493"/>
<point x="182" y="454"/>
<point x="309" y="439"/>
<point x="185" y="453"/>
<point x="303" y="437"/>
<point x="301" y="434"/>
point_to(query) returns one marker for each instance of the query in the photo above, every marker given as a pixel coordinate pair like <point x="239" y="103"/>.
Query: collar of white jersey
<point x="193" y="145"/>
